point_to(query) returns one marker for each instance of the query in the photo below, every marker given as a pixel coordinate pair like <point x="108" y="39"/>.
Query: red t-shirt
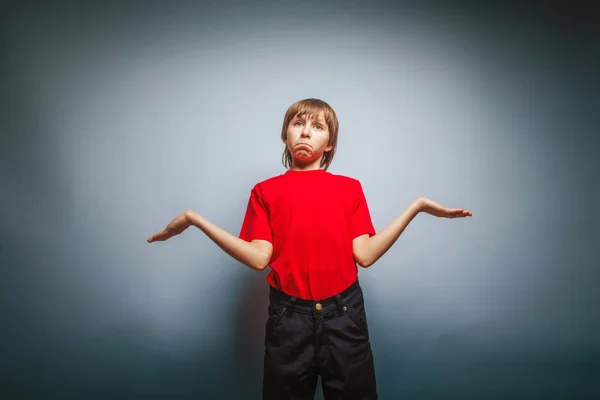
<point x="310" y="218"/>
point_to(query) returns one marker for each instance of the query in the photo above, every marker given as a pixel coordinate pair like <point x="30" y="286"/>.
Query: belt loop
<point x="339" y="302"/>
<point x="293" y="300"/>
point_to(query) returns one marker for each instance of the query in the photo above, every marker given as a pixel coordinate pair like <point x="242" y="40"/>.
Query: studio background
<point x="116" y="117"/>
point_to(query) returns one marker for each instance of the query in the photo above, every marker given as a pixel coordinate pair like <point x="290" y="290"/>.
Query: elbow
<point x="257" y="266"/>
<point x="259" y="255"/>
<point x="261" y="264"/>
<point x="363" y="262"/>
<point x="261" y="267"/>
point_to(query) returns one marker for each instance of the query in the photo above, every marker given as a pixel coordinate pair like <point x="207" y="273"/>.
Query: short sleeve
<point x="361" y="219"/>
<point x="256" y="220"/>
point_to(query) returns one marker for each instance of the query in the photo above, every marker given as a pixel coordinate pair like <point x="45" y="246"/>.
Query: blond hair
<point x="311" y="107"/>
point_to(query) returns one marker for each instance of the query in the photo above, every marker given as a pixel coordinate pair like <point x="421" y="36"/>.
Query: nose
<point x="305" y="131"/>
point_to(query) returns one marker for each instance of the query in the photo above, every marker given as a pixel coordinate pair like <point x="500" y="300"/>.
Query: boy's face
<point x="307" y="137"/>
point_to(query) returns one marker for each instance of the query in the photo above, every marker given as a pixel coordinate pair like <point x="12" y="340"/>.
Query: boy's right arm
<point x="255" y="254"/>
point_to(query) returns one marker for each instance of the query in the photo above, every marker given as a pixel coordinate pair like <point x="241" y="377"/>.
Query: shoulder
<point x="268" y="183"/>
<point x="346" y="180"/>
<point x="271" y="181"/>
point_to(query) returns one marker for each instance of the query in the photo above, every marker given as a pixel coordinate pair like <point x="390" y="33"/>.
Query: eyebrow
<point x="315" y="120"/>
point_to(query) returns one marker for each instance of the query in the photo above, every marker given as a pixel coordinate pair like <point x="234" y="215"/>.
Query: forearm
<point x="239" y="249"/>
<point x="376" y="246"/>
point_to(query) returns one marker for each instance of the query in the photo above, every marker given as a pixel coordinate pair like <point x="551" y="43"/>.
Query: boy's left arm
<point x="367" y="250"/>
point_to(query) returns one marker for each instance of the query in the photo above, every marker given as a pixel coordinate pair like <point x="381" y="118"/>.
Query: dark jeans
<point x="305" y="339"/>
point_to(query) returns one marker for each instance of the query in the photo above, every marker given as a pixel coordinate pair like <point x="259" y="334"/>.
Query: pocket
<point x="276" y="314"/>
<point x="356" y="310"/>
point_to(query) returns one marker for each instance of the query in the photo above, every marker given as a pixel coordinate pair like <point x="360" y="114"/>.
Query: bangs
<point x="310" y="108"/>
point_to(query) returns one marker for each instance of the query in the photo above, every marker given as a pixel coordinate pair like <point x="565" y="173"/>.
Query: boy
<point x="312" y="228"/>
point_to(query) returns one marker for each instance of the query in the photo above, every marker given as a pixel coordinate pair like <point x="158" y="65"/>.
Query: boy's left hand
<point x="437" y="210"/>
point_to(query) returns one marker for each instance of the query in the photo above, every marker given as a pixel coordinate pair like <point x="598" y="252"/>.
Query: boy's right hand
<point x="175" y="227"/>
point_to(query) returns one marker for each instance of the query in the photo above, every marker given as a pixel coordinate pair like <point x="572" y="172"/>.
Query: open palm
<point x="175" y="227"/>
<point x="431" y="207"/>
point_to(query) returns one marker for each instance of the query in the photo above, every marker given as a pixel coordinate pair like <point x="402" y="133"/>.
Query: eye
<point x="297" y="122"/>
<point x="319" y="126"/>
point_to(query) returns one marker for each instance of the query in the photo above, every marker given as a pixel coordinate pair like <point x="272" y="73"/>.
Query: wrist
<point x="418" y="205"/>
<point x="190" y="216"/>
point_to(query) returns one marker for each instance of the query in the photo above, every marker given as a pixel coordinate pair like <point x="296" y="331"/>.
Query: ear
<point x="328" y="148"/>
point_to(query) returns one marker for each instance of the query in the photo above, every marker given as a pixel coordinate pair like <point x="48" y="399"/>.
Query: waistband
<point x="276" y="295"/>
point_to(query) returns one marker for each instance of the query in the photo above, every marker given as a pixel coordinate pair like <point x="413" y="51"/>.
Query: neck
<point x="309" y="166"/>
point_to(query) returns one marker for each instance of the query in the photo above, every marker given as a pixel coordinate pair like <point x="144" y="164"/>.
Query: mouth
<point x="303" y="144"/>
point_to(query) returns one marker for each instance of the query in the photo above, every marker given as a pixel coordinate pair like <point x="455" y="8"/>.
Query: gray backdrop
<point x="117" y="117"/>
